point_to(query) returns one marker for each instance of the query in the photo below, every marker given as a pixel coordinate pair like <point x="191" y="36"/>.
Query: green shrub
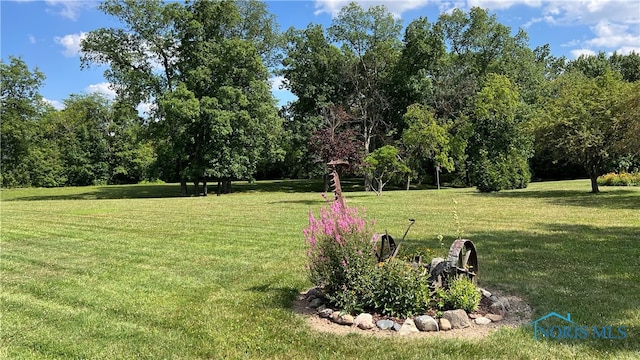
<point x="400" y="289"/>
<point x="461" y="294"/>
<point x="621" y="179"/>
<point x="341" y="256"/>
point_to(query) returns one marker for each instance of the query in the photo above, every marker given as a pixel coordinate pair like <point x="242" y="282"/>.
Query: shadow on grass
<point x="590" y="272"/>
<point x="146" y="191"/>
<point x="280" y="297"/>
<point x="608" y="198"/>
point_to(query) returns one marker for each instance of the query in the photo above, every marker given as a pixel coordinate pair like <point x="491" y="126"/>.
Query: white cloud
<point x="32" y="39"/>
<point x="103" y="88"/>
<point x="396" y="7"/>
<point x="71" y="43"/>
<point x="588" y="12"/>
<point x="69" y="9"/>
<point x="626" y="50"/>
<point x="502" y="4"/>
<point x="145" y="109"/>
<point x="58" y="105"/>
<point x="277" y="83"/>
<point x="578" y="52"/>
<point x="610" y="35"/>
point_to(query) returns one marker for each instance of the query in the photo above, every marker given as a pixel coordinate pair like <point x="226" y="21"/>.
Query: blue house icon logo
<point x="551" y="331"/>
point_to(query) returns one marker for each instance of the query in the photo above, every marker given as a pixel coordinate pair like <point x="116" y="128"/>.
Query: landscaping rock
<point x="457" y="318"/>
<point x="342" y="319"/>
<point x="397" y="326"/>
<point x="474" y="316"/>
<point x="409" y="327"/>
<point x="315" y="303"/>
<point x="494" y="317"/>
<point x="426" y="323"/>
<point x="435" y="262"/>
<point x="505" y="302"/>
<point x="325" y="313"/>
<point x="482" y="321"/>
<point x="497" y="308"/>
<point x="384" y="324"/>
<point x="485" y="293"/>
<point x="313" y="294"/>
<point x="364" y="321"/>
<point x="445" y="325"/>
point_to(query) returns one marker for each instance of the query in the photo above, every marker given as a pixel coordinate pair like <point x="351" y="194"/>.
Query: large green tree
<point x="21" y="107"/>
<point x="501" y="144"/>
<point x="581" y="120"/>
<point x="203" y="64"/>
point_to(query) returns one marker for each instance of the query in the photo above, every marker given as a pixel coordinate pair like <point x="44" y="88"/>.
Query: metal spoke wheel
<point x="463" y="258"/>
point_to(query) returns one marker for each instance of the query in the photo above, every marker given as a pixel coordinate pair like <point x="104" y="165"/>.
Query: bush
<point x="461" y="294"/>
<point x="342" y="256"/>
<point x="621" y="179"/>
<point x="400" y="289"/>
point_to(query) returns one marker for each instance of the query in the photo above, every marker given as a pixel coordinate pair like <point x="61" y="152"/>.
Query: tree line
<point x="464" y="95"/>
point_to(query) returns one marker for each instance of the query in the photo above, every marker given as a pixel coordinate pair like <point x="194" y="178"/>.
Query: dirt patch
<point x="519" y="313"/>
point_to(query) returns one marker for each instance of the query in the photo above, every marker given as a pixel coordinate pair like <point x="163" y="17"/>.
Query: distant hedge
<point x="621" y="179"/>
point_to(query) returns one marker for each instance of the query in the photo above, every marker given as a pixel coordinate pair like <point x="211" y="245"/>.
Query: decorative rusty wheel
<point x="463" y="257"/>
<point x="387" y="247"/>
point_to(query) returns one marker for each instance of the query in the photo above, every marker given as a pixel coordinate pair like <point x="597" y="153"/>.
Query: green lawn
<point x="132" y="272"/>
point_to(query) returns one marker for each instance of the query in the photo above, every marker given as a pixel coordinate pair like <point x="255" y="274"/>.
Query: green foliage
<point x="400" y="289"/>
<point x="426" y="139"/>
<point x="580" y="123"/>
<point x="461" y="294"/>
<point x="384" y="165"/>
<point x="501" y="144"/>
<point x="621" y="179"/>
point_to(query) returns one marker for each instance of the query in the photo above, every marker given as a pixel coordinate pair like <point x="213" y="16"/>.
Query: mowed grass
<point x="135" y="272"/>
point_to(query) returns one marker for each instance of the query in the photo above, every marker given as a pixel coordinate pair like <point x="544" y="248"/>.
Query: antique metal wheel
<point x="463" y="258"/>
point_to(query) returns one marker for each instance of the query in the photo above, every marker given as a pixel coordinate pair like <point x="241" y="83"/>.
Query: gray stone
<point x="445" y="325"/>
<point x="485" y="293"/>
<point x="313" y="293"/>
<point x="494" y="317"/>
<point x="384" y="324"/>
<point x="497" y="308"/>
<point x="321" y="307"/>
<point x="364" y="321"/>
<point x="457" y="318"/>
<point x="435" y="262"/>
<point x="397" y="326"/>
<point x="315" y="303"/>
<point x="505" y="302"/>
<point x="482" y="321"/>
<point x="426" y="323"/>
<point x="409" y="327"/>
<point x="325" y="313"/>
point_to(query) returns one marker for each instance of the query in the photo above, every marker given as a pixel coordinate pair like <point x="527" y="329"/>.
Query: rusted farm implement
<point x="462" y="258"/>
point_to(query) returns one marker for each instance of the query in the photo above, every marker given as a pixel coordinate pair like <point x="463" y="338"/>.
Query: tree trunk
<point x="594" y="183"/>
<point x="183" y="186"/>
<point x="205" y="189"/>
<point x="196" y="192"/>
<point x="219" y="188"/>
<point x="408" y="182"/>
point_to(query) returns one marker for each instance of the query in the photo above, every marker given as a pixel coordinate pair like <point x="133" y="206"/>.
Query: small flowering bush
<point x="342" y="261"/>
<point x="341" y="256"/>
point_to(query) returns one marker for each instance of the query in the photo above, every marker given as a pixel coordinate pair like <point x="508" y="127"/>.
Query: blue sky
<point x="46" y="34"/>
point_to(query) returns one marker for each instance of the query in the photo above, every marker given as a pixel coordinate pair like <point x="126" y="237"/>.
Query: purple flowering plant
<point x="341" y="254"/>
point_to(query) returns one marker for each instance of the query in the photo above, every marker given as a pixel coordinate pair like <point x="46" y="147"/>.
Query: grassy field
<point x="134" y="272"/>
